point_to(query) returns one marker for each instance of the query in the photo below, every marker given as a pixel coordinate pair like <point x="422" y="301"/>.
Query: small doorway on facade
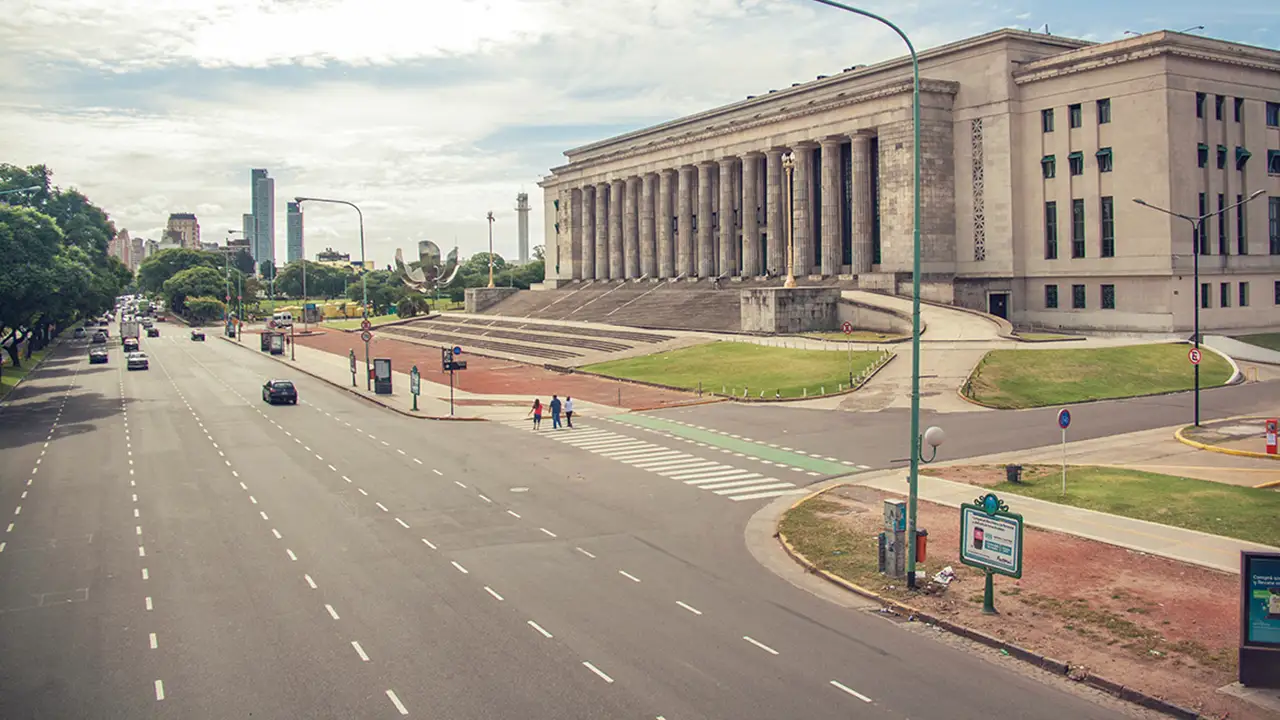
<point x="998" y="304"/>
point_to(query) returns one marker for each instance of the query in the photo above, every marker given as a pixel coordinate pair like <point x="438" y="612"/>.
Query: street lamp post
<point x="916" y="447"/>
<point x="364" y="284"/>
<point x="1197" y="232"/>
<point x="20" y="190"/>
<point x="788" y="171"/>
<point x="489" y="217"/>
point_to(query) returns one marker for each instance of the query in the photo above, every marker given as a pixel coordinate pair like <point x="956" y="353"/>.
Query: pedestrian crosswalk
<point x="718" y="478"/>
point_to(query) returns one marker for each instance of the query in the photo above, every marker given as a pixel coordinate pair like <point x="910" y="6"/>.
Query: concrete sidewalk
<point x="1189" y="546"/>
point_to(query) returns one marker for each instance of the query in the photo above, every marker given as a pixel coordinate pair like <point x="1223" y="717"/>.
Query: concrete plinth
<point x="481" y="299"/>
<point x="788" y="310"/>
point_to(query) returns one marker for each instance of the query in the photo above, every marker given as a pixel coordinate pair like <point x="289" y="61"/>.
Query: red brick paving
<point x="494" y="376"/>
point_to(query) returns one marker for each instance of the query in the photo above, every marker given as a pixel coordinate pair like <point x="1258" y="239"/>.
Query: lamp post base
<point x="790" y="283"/>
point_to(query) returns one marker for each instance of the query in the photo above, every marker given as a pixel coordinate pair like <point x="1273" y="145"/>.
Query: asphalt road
<point x="185" y="550"/>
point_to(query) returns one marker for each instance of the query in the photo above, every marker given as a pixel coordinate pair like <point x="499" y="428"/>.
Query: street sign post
<point x="366" y="325"/>
<point x="847" y="327"/>
<point x="351" y="355"/>
<point x="366" y="336"/>
<point x="449" y="365"/>
<point x="415" y="385"/>
<point x="1259" y="656"/>
<point x="991" y="540"/>
<point x="1194" y="356"/>
<point x="1064" y="422"/>
<point x="271" y="324"/>
<point x="457" y="349"/>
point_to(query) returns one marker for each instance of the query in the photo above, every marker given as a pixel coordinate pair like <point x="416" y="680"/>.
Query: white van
<point x="283" y="319"/>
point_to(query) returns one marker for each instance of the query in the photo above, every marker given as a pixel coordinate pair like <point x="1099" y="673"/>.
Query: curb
<point x="53" y="345"/>
<point x="1029" y="656"/>
<point x="1178" y="435"/>
<point x="361" y="395"/>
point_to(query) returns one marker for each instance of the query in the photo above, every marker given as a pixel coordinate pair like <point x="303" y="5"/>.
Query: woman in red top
<point x="537" y="413"/>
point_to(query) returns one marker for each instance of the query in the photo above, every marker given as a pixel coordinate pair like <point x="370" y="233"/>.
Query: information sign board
<point x="991" y="537"/>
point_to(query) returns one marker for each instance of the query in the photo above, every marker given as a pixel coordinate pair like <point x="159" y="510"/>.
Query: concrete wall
<point x="788" y="310"/>
<point x="481" y="299"/>
<point x="868" y="317"/>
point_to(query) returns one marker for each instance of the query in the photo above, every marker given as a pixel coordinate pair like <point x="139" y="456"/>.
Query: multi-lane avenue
<point x="175" y="547"/>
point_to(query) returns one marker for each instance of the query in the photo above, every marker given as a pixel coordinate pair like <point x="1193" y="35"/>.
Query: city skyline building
<point x="185" y="229"/>
<point x="294" y="245"/>
<point x="263" y="211"/>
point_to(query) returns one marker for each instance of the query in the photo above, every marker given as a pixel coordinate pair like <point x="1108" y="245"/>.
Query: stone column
<point x="728" y="258"/>
<point x="750" y="220"/>
<point x="631" y="230"/>
<point x="588" y="205"/>
<point x="832" y="231"/>
<point x="648" y="265"/>
<point x="616" y="191"/>
<point x="706" y="231"/>
<point x="686" y="249"/>
<point x="861" y="210"/>
<point x="802" y="223"/>
<point x="575" y="233"/>
<point x="602" y="231"/>
<point x="665" y="258"/>
<point x="775" y="213"/>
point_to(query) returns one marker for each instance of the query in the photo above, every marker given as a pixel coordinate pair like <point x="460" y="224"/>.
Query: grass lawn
<point x="733" y="366"/>
<point x="858" y="336"/>
<point x="1036" y="378"/>
<point x="1270" y="341"/>
<point x="12" y="376"/>
<point x="1229" y="510"/>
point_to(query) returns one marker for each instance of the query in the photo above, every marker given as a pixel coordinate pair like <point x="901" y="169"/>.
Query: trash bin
<point x="1013" y="473"/>
<point x="922" y="543"/>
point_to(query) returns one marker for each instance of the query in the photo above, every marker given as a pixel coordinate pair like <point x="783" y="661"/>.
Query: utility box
<point x="382" y="376"/>
<point x="895" y="538"/>
<point x="265" y="338"/>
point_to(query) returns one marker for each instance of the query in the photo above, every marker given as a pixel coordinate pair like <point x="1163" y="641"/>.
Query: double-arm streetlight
<point x="916" y="438"/>
<point x="239" y="288"/>
<point x="1197" y="238"/>
<point x="364" y="285"/>
<point x="21" y="190"/>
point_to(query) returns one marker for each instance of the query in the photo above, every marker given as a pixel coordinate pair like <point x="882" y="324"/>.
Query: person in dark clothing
<point x="555" y="412"/>
<point x="568" y="411"/>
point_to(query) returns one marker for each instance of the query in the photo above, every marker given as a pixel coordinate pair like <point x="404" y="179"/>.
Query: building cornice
<point x="767" y="117"/>
<point x="1145" y="47"/>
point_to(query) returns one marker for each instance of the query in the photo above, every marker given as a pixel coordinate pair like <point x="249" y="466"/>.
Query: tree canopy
<point x="157" y="269"/>
<point x="198" y="281"/>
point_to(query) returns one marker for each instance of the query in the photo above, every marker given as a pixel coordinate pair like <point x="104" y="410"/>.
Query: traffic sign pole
<point x="847" y="327"/>
<point x="1064" y="421"/>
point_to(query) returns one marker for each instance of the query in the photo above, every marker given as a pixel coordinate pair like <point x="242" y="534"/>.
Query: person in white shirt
<point x="568" y="411"/>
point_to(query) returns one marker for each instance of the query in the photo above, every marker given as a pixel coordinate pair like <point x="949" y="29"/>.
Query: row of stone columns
<point x="689" y="221"/>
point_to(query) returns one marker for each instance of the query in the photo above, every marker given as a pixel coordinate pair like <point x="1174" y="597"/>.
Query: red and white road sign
<point x="847" y="328"/>
<point x="366" y="336"/>
<point x="271" y="324"/>
<point x="366" y="325"/>
<point x="1194" y="356"/>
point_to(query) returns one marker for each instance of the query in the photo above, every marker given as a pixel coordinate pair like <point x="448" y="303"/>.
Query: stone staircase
<point x="675" y="306"/>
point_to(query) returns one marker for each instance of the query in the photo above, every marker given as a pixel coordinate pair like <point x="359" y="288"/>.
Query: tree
<point x="157" y="269"/>
<point x="243" y="262"/>
<point x="204" y="309"/>
<point x="385" y="289"/>
<point x="200" y="281"/>
<point x="539" y="252"/>
<point x="322" y="280"/>
<point x="30" y="243"/>
<point x="266" y="270"/>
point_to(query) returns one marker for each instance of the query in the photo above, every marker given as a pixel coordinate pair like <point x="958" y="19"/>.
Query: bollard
<point x="839" y="387"/>
<point x="823" y="391"/>
<point x="744" y="391"/>
<point x="806" y="392"/>
<point x="777" y="394"/>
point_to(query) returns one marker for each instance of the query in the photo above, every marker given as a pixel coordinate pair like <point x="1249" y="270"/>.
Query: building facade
<point x="264" y="221"/>
<point x="1032" y="149"/>
<point x="293" y="229"/>
<point x="185" y="229"/>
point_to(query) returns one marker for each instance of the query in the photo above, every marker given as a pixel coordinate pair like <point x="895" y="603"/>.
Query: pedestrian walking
<point x="536" y="412"/>
<point x="568" y="411"/>
<point x="555" y="412"/>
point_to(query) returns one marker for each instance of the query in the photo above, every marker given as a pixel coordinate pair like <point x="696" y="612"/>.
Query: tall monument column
<point x="750" y="215"/>
<point x="588" y="205"/>
<point x="802" y="224"/>
<point x="832" y="230"/>
<point x="775" y="209"/>
<point x="630" y="230"/>
<point x="616" y="202"/>
<point x="706" y="228"/>
<point x="575" y="233"/>
<point x="648" y="257"/>
<point x="861" y="208"/>
<point x="666" y="259"/>
<point x="728" y="230"/>
<point x="686" y="252"/>
<point x="602" y="231"/>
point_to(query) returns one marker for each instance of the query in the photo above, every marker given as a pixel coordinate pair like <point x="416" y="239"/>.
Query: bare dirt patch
<point x="1163" y="627"/>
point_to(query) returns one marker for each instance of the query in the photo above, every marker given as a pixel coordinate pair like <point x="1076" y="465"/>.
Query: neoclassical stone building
<point x="1033" y="148"/>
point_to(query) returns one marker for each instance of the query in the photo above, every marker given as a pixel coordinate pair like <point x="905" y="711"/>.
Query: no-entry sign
<point x="1194" y="356"/>
<point x="847" y="327"/>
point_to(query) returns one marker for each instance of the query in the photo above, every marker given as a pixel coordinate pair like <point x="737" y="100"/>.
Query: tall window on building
<point x="1203" y="240"/>
<point x="1273" y="114"/>
<point x="1077" y="228"/>
<point x="1075" y="116"/>
<point x="1206" y="294"/>
<point x="1108" y="227"/>
<point x="1277" y="292"/>
<point x="1273" y="162"/>
<point x="1243" y="296"/>
<point x="1049" y="166"/>
<point x="1077" y="297"/>
<point x="1108" y="297"/>
<point x="1273" y="224"/>
<point x="1224" y="294"/>
<point x="1046" y="120"/>
<point x="1104" y="111"/>
<point x="1051" y="297"/>
<point x="1051" y="230"/>
<point x="1222" y="224"/>
<point x="1104" y="160"/>
<point x="1242" y="238"/>
<point x="1076" y="162"/>
<point x="1239" y="110"/>
<point x="1242" y="158"/>
<point x="1218" y="102"/>
<point x="1199" y="105"/>
<point x="1222" y="157"/>
<point x="1202" y="155"/>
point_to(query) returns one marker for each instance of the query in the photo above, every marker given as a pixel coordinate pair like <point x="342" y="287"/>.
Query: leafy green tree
<point x="205" y="309"/>
<point x="199" y="281"/>
<point x="385" y="289"/>
<point x="266" y="270"/>
<point x="157" y="269"/>
<point x="30" y="243"/>
<point x="243" y="262"/>
<point x="322" y="281"/>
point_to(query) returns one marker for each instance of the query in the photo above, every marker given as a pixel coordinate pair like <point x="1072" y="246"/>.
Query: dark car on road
<point x="279" y="391"/>
<point x="98" y="356"/>
<point x="99" y="338"/>
<point x="197" y="335"/>
<point x="153" y="332"/>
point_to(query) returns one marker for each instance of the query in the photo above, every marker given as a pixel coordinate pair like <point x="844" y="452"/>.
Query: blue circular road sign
<point x="457" y="349"/>
<point x="1064" y="418"/>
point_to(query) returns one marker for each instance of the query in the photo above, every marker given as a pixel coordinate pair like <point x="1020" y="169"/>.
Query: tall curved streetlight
<point x="788" y="172"/>
<point x="364" y="285"/>
<point x="916" y="440"/>
<point x="490" y="218"/>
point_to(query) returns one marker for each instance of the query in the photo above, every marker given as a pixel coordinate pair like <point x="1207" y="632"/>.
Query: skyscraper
<point x="185" y="228"/>
<point x="264" y="223"/>
<point x="246" y="225"/>
<point x="522" y="226"/>
<point x="293" y="228"/>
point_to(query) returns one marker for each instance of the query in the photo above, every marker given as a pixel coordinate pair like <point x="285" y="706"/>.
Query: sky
<point x="430" y="113"/>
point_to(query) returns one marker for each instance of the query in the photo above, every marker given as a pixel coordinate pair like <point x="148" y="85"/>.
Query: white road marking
<point x="455" y="482"/>
<point x="512" y="513"/>
<point x="145" y="574"/>
<point x="291" y="555"/>
<point x="263" y="513"/>
<point x="548" y="532"/>
<point x="235" y="474"/>
<point x="628" y="575"/>
<point x="403" y="524"/>
<point x="760" y="645"/>
<point x="2" y="547"/>
<point x="538" y="627"/>
<point x="429" y="544"/>
<point x="382" y="507"/>
<point x="154" y="644"/>
<point x="482" y="497"/>
<point x="159" y="690"/>
<point x="135" y="512"/>
<point x="18" y="510"/>
<point x="688" y="607"/>
<point x="359" y="651"/>
<point x="277" y="534"/>
<point x="310" y="582"/>
<point x="243" y="486"/>
<point x="417" y="461"/>
<point x="344" y="477"/>
<point x="384" y="442"/>
<point x="770" y="494"/>
<point x="401" y="451"/>
<point x="137" y="529"/>
<point x="597" y="671"/>
<point x="396" y="701"/>
<point x="149" y="605"/>
<point x="228" y="462"/>
<point x="492" y="592"/>
<point x="460" y="568"/>
<point x="253" y="500"/>
<point x="332" y="613"/>
<point x="142" y="551"/>
<point x="584" y="552"/>
<point x="851" y="691"/>
<point x="10" y="528"/>
<point x="436" y="471"/>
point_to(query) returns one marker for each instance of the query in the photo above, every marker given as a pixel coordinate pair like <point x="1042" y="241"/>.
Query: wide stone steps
<point x="447" y="338"/>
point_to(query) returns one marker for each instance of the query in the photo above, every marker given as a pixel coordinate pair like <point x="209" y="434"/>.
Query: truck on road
<point x="130" y="329"/>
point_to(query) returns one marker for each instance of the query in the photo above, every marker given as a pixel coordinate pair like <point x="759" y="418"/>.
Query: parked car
<point x="99" y="338"/>
<point x="79" y="333"/>
<point x="97" y="356"/>
<point x="197" y="335"/>
<point x="153" y="332"/>
<point x="279" y="391"/>
<point x="137" y="361"/>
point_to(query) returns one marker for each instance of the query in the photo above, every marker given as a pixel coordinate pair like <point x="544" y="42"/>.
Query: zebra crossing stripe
<point x="741" y="478"/>
<point x="769" y="494"/>
<point x="774" y="486"/>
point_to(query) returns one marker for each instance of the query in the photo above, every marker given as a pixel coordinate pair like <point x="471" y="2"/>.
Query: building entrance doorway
<point x="998" y="304"/>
